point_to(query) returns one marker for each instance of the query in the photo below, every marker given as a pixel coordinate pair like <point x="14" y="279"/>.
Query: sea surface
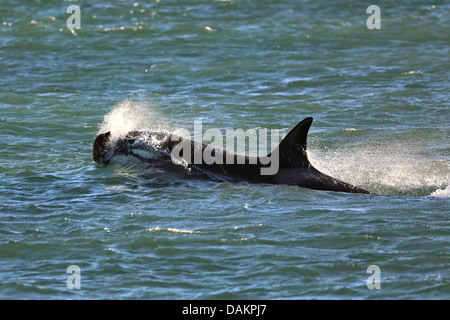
<point x="73" y="229"/>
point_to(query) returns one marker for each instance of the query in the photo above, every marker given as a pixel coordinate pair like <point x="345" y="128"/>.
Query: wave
<point x="441" y="193"/>
<point x="172" y="230"/>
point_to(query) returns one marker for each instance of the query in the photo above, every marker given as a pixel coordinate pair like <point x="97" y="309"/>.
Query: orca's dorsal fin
<point x="292" y="149"/>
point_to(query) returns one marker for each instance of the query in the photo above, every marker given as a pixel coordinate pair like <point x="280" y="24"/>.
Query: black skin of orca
<point x="294" y="167"/>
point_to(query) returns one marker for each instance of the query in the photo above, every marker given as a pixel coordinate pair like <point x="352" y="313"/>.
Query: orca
<point x="293" y="167"/>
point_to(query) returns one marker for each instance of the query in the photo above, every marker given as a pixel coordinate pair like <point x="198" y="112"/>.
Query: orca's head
<point x="101" y="151"/>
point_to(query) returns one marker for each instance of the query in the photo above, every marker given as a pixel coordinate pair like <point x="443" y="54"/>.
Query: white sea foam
<point x="174" y="230"/>
<point x="441" y="193"/>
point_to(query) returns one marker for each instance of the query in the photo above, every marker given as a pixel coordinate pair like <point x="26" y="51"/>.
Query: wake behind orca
<point x="293" y="166"/>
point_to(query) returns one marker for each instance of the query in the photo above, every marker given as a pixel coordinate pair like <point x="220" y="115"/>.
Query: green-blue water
<point x="380" y="102"/>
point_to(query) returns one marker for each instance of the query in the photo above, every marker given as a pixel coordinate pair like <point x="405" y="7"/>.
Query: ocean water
<point x="380" y="103"/>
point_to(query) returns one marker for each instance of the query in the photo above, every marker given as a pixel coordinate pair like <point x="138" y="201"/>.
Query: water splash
<point x="130" y="115"/>
<point x="386" y="168"/>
